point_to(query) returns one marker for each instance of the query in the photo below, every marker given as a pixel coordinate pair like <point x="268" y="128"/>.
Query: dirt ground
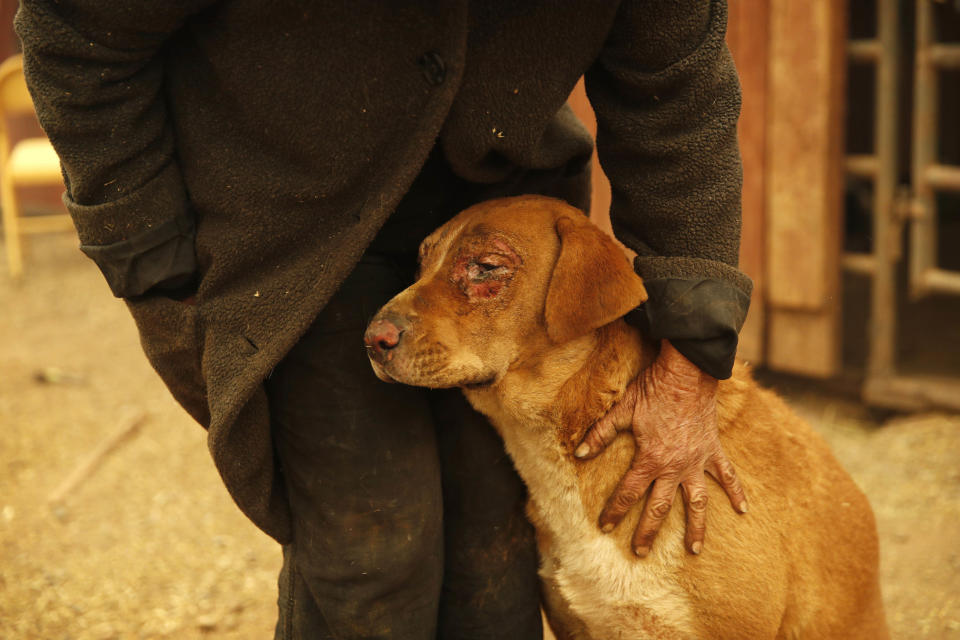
<point x="148" y="545"/>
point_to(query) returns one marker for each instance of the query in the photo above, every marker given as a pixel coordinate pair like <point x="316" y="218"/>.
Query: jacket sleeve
<point x="95" y="71"/>
<point x="667" y="99"/>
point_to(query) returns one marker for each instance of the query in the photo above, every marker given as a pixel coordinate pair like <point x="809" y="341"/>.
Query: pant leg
<point x="490" y="585"/>
<point x="360" y="462"/>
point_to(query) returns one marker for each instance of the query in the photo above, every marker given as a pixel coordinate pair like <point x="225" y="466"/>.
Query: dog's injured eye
<point x="482" y="276"/>
<point x="483" y="266"/>
<point x="487" y="266"/>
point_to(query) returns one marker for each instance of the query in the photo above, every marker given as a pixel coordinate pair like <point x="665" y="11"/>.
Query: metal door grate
<point x="895" y="205"/>
<point x="927" y="174"/>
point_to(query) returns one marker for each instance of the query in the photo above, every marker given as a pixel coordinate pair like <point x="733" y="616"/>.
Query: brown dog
<point x="518" y="302"/>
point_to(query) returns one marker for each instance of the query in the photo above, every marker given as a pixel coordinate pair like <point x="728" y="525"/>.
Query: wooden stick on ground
<point x="128" y="426"/>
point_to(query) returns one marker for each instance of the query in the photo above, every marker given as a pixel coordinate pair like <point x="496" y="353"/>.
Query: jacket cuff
<point x="142" y="239"/>
<point x="161" y="255"/>
<point x="699" y="313"/>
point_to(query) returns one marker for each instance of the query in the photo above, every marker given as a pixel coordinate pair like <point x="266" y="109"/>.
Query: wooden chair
<point x="29" y="162"/>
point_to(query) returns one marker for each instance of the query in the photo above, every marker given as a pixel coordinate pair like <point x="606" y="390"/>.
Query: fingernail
<point x="582" y="450"/>
<point x="607" y="528"/>
<point x="696" y="547"/>
<point x="743" y="507"/>
<point x="641" y="551"/>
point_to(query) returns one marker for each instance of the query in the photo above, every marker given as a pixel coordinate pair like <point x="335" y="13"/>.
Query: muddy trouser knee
<point x="408" y="516"/>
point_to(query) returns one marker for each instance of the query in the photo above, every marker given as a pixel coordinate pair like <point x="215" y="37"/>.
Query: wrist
<point x="679" y="366"/>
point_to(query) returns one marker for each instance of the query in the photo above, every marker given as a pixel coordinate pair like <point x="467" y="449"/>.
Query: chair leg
<point x="11" y="226"/>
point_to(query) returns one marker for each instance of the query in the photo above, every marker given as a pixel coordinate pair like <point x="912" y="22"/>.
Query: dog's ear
<point x="592" y="283"/>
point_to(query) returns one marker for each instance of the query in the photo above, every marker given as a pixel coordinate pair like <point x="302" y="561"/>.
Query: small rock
<point x="60" y="512"/>
<point x="56" y="375"/>
<point x="208" y="622"/>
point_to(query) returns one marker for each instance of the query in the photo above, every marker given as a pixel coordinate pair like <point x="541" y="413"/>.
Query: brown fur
<point x="543" y="357"/>
<point x="591" y="285"/>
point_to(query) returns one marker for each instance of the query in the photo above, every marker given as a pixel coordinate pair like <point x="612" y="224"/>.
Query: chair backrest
<point x="14" y="101"/>
<point x="14" y="97"/>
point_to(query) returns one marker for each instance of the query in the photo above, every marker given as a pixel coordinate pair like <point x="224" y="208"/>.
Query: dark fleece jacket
<point x="255" y="149"/>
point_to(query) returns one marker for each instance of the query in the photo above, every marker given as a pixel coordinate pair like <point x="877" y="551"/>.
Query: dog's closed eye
<point x="482" y="271"/>
<point x="487" y="266"/>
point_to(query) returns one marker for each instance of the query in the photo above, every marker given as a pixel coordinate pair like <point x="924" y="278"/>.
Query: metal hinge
<point x="906" y="207"/>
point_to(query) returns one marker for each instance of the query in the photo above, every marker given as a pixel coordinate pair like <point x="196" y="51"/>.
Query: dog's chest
<point x="590" y="582"/>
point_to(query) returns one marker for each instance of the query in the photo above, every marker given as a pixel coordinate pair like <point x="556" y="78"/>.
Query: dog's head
<point x="497" y="283"/>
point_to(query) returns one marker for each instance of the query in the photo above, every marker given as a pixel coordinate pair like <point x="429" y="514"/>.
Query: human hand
<point x="672" y="409"/>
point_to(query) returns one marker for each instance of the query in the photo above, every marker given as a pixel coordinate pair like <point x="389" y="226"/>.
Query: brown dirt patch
<point x="150" y="546"/>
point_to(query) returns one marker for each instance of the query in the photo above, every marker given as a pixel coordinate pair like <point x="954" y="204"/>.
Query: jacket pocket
<point x="170" y="337"/>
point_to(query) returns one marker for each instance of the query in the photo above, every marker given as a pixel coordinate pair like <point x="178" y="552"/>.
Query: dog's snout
<point x="381" y="338"/>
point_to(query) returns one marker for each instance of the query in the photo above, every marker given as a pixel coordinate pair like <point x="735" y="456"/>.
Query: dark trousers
<point x="408" y="515"/>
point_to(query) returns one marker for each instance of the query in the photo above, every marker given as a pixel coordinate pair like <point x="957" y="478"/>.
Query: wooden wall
<point x="600" y="204"/>
<point x="9" y="44"/>
<point x="748" y="39"/>
<point x="804" y="183"/>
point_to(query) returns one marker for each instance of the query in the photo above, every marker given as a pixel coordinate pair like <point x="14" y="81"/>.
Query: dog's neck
<point x="617" y="356"/>
<point x="569" y="386"/>
<point x="544" y="405"/>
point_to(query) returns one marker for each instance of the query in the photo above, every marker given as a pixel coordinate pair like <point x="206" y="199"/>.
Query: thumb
<point x="605" y="430"/>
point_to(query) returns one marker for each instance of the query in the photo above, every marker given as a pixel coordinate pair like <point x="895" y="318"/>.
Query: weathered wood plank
<point x="803" y="342"/>
<point x="804" y="172"/>
<point x="748" y="35"/>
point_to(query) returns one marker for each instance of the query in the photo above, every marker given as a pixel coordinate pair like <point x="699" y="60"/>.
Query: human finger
<point x="694" y="491"/>
<point x="600" y="435"/>
<point x="723" y="472"/>
<point x="654" y="512"/>
<point x="629" y="490"/>
<point x="604" y="431"/>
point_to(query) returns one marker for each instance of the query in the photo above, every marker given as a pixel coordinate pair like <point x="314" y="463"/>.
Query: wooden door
<point x="804" y="185"/>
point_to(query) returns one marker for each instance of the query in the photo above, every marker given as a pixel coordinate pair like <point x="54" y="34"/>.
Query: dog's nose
<point x="381" y="337"/>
